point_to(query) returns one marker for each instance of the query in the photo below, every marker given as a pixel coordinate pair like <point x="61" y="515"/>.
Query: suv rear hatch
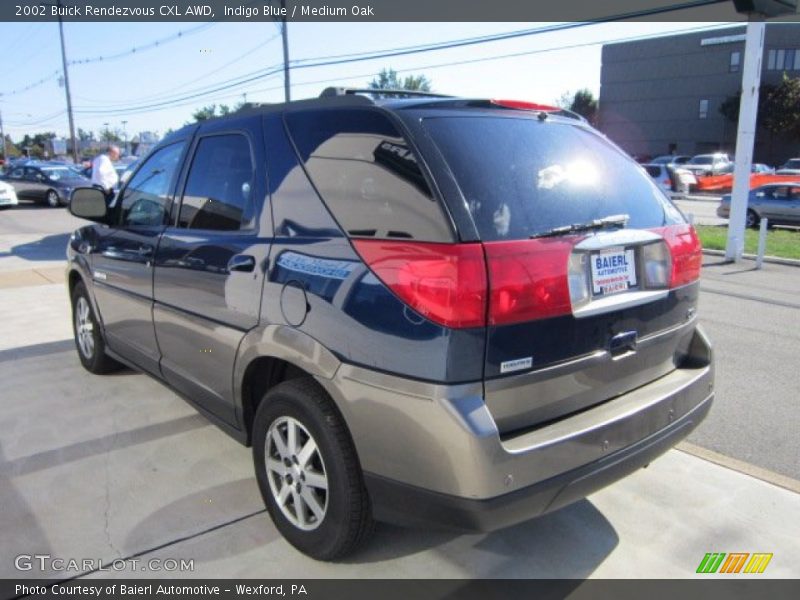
<point x="591" y="271"/>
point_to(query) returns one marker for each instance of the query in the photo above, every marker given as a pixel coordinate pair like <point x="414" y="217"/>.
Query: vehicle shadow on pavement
<point x="569" y="543"/>
<point x="203" y="512"/>
<point x="48" y="248"/>
<point x="74" y="452"/>
<point x="25" y="537"/>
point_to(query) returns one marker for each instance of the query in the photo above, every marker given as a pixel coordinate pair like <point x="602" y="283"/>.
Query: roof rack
<point x="343" y="91"/>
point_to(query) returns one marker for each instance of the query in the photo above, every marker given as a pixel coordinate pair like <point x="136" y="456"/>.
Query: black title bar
<point x="367" y="10"/>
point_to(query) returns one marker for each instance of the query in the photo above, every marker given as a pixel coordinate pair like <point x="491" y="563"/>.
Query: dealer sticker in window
<point x="613" y="270"/>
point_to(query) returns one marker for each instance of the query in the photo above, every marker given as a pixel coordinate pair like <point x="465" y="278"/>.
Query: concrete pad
<point x="34" y="315"/>
<point x="118" y="466"/>
<point x="29" y="277"/>
<point x="658" y="523"/>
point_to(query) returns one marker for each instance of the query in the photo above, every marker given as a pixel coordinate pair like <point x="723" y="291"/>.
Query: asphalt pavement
<point x="119" y="466"/>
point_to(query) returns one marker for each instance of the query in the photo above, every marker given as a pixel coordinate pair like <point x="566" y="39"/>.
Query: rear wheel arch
<point x="261" y="375"/>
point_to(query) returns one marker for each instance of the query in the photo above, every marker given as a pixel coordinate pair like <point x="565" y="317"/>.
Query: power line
<point x="434" y="66"/>
<point x="262" y="73"/>
<point x="186" y="83"/>
<point x="144" y="47"/>
<point x="498" y="57"/>
<point x="256" y="75"/>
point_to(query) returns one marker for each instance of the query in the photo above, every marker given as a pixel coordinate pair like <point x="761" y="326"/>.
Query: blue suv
<point x="420" y="309"/>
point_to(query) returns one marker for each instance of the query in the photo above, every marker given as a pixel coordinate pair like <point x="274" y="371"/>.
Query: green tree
<point x="582" y="102"/>
<point x="36" y="144"/>
<point x="215" y="110"/>
<point x="85" y="136"/>
<point x="585" y="104"/>
<point x="778" y="108"/>
<point x="388" y="79"/>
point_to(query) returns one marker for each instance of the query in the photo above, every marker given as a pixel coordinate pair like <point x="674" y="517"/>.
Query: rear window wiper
<point x="609" y="222"/>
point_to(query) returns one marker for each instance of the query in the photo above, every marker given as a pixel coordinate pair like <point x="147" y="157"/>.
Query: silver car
<point x="777" y="202"/>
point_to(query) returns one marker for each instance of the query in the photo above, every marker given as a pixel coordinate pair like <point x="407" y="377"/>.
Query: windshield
<point x="703" y="159"/>
<point x="56" y="173"/>
<point x="522" y="177"/>
<point x="793" y="164"/>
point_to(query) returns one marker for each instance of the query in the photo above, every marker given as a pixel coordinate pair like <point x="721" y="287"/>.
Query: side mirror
<point x="88" y="203"/>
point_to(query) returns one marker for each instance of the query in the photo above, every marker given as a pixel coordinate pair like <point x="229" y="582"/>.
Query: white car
<point x="8" y="197"/>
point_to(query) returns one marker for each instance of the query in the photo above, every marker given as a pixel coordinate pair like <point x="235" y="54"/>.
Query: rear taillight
<point x="445" y="283"/>
<point x="528" y="279"/>
<point x="686" y="251"/>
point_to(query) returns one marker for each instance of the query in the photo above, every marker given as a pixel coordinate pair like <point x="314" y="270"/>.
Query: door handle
<point x="242" y="262"/>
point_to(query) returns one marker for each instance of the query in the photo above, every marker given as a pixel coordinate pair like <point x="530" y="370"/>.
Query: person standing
<point x="104" y="175"/>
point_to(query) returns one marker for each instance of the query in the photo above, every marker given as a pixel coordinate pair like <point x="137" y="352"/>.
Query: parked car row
<point x="779" y="203"/>
<point x="49" y="182"/>
<point x="720" y="163"/>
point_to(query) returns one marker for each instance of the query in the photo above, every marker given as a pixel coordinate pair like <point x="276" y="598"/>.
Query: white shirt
<point x="103" y="172"/>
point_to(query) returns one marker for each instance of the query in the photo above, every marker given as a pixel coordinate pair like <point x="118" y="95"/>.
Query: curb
<point x="791" y="262"/>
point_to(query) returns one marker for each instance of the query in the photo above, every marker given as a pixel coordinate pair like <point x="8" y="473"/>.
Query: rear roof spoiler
<point x="391" y="93"/>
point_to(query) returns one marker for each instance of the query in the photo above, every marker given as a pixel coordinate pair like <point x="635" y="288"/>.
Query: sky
<point x="204" y="55"/>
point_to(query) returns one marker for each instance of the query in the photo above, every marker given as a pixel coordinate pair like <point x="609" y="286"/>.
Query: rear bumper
<point x="409" y="505"/>
<point x="432" y="454"/>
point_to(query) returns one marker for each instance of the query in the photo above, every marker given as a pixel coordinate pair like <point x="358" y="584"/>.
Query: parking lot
<point x="119" y="467"/>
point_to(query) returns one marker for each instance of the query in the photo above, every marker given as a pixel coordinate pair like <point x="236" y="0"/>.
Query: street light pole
<point x="746" y="135"/>
<point x="66" y="86"/>
<point x="285" y="36"/>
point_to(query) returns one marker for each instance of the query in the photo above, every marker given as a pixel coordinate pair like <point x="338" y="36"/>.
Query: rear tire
<point x="308" y="472"/>
<point x="52" y="199"/>
<point x="752" y="219"/>
<point x="89" y="340"/>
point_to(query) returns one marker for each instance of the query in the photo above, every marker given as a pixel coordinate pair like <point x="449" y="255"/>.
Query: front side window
<point x="145" y="201"/>
<point x="17" y="173"/>
<point x="219" y="189"/>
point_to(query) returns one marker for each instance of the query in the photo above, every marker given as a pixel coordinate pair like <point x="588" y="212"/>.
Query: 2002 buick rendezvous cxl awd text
<point x="419" y="309"/>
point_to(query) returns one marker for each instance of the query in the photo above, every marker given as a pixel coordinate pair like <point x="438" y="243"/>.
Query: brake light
<point x="528" y="279"/>
<point x="445" y="283"/>
<point x="668" y="182"/>
<point x="523" y="105"/>
<point x="686" y="251"/>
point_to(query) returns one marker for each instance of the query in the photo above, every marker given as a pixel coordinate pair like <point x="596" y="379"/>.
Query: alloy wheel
<point x="296" y="473"/>
<point x="84" y="327"/>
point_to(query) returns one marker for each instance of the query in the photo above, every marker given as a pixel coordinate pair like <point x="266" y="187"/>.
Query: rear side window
<point x="367" y="175"/>
<point x="219" y="188"/>
<point x="523" y="177"/>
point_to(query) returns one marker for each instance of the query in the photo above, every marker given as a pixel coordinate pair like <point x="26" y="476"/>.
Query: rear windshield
<point x="522" y="176"/>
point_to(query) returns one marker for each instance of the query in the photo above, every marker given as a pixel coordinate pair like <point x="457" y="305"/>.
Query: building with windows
<point x="663" y="95"/>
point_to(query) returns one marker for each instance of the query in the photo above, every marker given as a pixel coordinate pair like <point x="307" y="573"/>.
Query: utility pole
<point x="756" y="11"/>
<point x="285" y="36"/>
<point x="745" y="136"/>
<point x="3" y="139"/>
<point x="66" y="86"/>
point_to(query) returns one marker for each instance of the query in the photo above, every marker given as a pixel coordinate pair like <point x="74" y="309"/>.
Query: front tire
<point x="52" y="199"/>
<point x="88" y="337"/>
<point x="308" y="472"/>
